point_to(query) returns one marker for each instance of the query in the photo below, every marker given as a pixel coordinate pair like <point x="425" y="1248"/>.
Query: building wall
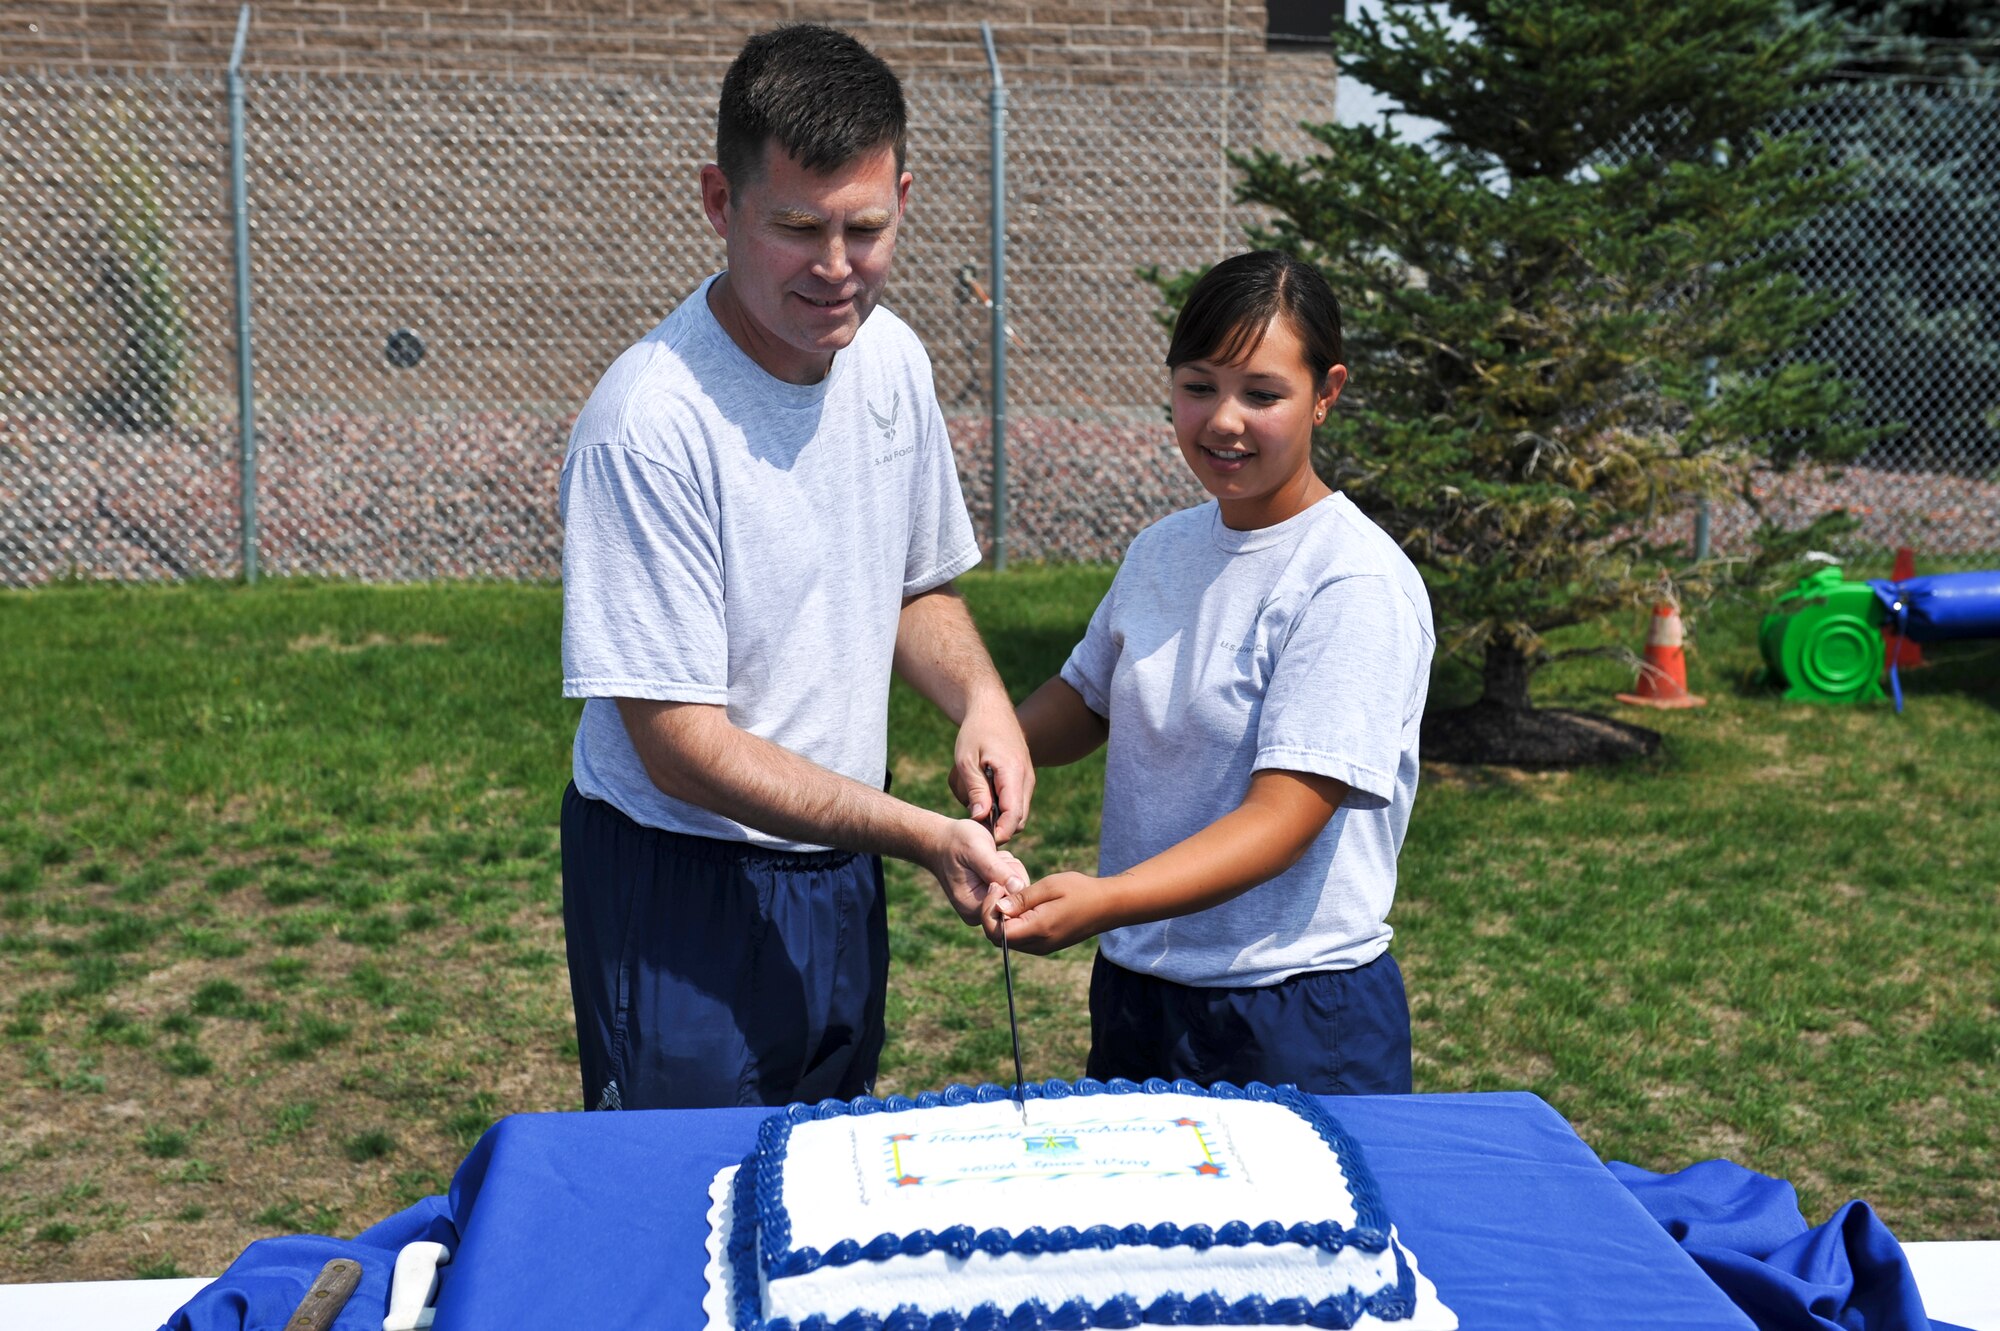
<point x="514" y="184"/>
<point x="1108" y="40"/>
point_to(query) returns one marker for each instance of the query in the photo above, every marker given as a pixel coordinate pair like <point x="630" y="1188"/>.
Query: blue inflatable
<point x="1942" y="606"/>
<point x="1938" y="608"/>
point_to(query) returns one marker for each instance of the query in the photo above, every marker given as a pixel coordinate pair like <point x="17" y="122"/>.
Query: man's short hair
<point x="817" y="93"/>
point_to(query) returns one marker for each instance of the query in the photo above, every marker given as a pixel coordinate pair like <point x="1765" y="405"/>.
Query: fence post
<point x="1718" y="155"/>
<point x="246" y="420"/>
<point x="1227" y="98"/>
<point x="997" y="100"/>
<point x="1701" y="536"/>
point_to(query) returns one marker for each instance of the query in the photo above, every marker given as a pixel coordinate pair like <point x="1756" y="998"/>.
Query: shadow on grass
<point x="1969" y="669"/>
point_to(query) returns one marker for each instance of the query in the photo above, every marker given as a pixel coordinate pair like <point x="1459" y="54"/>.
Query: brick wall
<point x="1109" y="40"/>
<point x="528" y="228"/>
<point x="517" y="187"/>
<point x="412" y="162"/>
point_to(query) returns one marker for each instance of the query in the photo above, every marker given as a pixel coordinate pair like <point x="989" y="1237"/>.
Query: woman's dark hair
<point x="1225" y="315"/>
<point x="815" y="91"/>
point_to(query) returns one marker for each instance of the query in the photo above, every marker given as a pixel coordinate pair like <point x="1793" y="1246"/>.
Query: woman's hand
<point x="1051" y="914"/>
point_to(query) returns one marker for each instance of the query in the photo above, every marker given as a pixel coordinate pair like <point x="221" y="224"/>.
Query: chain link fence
<point x="443" y="266"/>
<point x="1920" y="336"/>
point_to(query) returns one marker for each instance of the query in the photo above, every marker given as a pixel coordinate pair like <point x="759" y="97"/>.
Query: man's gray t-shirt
<point x="733" y="539"/>
<point x="1302" y="647"/>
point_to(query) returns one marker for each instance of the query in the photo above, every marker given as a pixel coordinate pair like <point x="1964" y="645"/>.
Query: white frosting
<point x="938" y="1280"/>
<point x="1080" y="1161"/>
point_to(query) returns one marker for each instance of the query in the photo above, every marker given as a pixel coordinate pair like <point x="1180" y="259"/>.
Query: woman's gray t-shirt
<point x="1302" y="647"/>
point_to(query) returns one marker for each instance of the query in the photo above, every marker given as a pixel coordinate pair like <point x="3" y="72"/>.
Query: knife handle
<point x="337" y="1281"/>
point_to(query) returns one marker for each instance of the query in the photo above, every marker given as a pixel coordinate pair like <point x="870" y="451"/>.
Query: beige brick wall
<point x="415" y="164"/>
<point x="530" y="228"/>
<point x="1113" y="41"/>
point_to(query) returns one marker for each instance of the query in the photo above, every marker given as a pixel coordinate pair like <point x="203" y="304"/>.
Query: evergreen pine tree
<point x="1562" y="314"/>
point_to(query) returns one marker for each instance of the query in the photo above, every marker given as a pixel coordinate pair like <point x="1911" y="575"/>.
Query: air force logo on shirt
<point x="1249" y="640"/>
<point x="887" y="425"/>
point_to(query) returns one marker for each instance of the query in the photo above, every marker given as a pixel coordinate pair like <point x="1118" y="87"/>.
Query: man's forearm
<point x="693" y="753"/>
<point x="939" y="653"/>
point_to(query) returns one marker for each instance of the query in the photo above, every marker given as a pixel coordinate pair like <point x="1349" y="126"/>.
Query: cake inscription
<point x="1093" y="1148"/>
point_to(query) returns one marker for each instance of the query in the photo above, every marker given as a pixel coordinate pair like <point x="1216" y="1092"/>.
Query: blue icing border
<point x="758" y="1190"/>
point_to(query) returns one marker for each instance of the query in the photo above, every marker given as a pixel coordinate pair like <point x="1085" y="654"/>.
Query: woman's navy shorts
<point x="1343" y="1032"/>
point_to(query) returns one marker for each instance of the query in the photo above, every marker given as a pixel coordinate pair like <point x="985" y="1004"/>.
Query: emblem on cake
<point x="1105" y="1145"/>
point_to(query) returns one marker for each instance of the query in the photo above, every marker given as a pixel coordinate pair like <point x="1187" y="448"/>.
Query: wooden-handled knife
<point x="337" y="1281"/>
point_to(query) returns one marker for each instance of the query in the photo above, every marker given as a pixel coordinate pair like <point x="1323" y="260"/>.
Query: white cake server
<point x="414" y="1284"/>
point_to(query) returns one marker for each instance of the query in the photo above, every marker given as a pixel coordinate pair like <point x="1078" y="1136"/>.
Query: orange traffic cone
<point x="1663" y="678"/>
<point x="1899" y="652"/>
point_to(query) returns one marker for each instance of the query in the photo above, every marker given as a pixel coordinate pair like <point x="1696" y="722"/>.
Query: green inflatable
<point x="1822" y="642"/>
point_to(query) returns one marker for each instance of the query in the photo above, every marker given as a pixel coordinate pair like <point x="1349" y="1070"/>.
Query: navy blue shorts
<point x="712" y="973"/>
<point x="1329" y="1032"/>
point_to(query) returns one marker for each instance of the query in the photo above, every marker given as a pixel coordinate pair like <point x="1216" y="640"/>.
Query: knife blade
<point x="1006" y="959"/>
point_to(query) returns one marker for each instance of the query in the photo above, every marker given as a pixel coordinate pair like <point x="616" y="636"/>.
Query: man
<point x="762" y="519"/>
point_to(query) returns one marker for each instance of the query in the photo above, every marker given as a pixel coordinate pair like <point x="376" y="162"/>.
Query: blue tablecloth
<point x="1746" y="1231"/>
<point x="599" y="1221"/>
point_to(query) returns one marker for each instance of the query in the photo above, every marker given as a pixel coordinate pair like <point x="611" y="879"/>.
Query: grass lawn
<point x="280" y="926"/>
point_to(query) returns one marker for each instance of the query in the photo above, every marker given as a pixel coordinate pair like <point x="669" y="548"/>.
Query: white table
<point x="1960" y="1281"/>
<point x="96" y="1305"/>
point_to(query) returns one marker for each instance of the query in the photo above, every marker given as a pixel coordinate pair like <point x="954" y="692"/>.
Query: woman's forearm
<point x="1059" y="725"/>
<point x="1251" y="844"/>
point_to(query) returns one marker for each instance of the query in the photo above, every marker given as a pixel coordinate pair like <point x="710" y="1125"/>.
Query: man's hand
<point x="976" y="875"/>
<point x="693" y="753"/>
<point x="939" y="654"/>
<point x="1062" y="909"/>
<point x="991" y="738"/>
